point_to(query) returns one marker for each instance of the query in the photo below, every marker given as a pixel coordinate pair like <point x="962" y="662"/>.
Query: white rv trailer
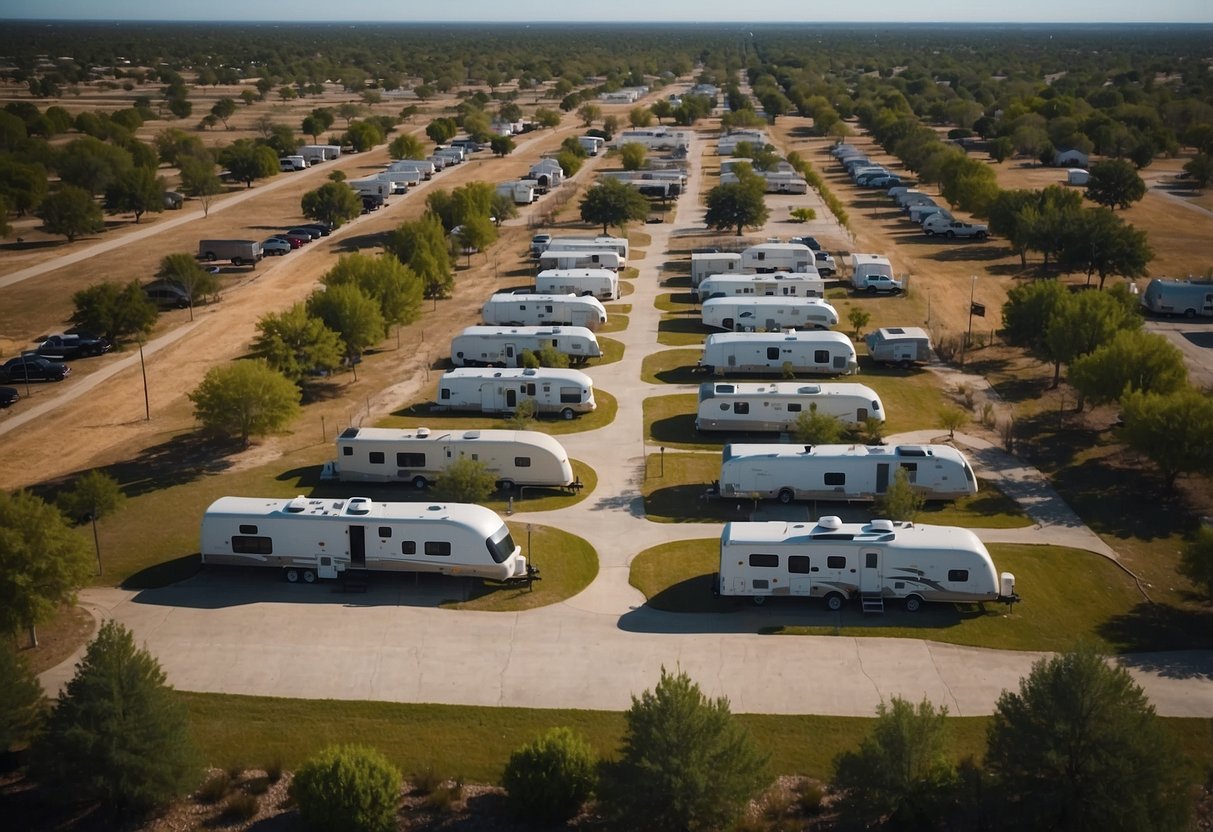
<point x="655" y="138"/>
<point x="779" y="257"/>
<point x="420" y="456"/>
<point x="902" y="345"/>
<point x="1178" y="297"/>
<point x="876" y="561"/>
<point x="842" y="472"/>
<point x="423" y="166"/>
<point x="619" y="245"/>
<point x="554" y="390"/>
<point x="762" y="313"/>
<point x="706" y="264"/>
<point x="827" y="353"/>
<point x="408" y="177"/>
<point x="396" y="186"/>
<point x="502" y="346"/>
<point x="775" y="407"/>
<point x="781" y="284"/>
<point x="600" y="283"/>
<point x="371" y="186"/>
<point x="579" y="259"/>
<point x="521" y="192"/>
<point x="316" y="153"/>
<point x="591" y="144"/>
<point x="508" y="309"/>
<point x="865" y="267"/>
<point x="321" y="538"/>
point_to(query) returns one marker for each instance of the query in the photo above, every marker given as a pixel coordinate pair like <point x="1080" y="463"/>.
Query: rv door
<point x="882" y="477"/>
<point x="357" y="549"/>
<point x="511" y="398"/>
<point x="870" y="578"/>
<point x="510" y="351"/>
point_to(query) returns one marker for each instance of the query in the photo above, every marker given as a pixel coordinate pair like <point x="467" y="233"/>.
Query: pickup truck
<point x="73" y="346"/>
<point x="954" y="228"/>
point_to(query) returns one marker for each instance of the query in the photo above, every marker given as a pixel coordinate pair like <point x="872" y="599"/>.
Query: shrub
<point x="273" y="770"/>
<point x="524" y="414"/>
<point x="803" y="214"/>
<point x="241" y="807"/>
<point x="426" y="781"/>
<point x="348" y="787"/>
<point x="548" y="780"/>
<point x="215" y="788"/>
<point x="809" y="796"/>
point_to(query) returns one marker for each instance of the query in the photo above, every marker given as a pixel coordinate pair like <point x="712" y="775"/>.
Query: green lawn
<point x="420" y="415"/>
<point x="672" y="367"/>
<point x="679" y="303"/>
<point x="616" y="322"/>
<point x="612" y="351"/>
<point x="681" y="331"/>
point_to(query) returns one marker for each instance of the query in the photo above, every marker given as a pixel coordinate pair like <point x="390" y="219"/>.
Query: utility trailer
<point x="900" y="345"/>
<point x="237" y="252"/>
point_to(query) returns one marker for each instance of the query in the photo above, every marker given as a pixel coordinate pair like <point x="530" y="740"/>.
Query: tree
<point x="1084" y="322"/>
<point x="1172" y="430"/>
<point x="137" y="190"/>
<point x="1115" y="183"/>
<point x="476" y="234"/>
<point x="22" y="706"/>
<point x="245" y="398"/>
<point x="1200" y="170"/>
<point x="465" y="480"/>
<point x="1101" y="242"/>
<point x="94" y="495"/>
<point x="349" y="312"/>
<point x="501" y="145"/>
<point x="901" y="772"/>
<point x="186" y="272"/>
<point x="1079" y="747"/>
<point x="633" y="155"/>
<point x="441" y="130"/>
<point x="117" y="734"/>
<point x="248" y="161"/>
<point x="547" y="781"/>
<point x="589" y="113"/>
<point x="612" y="202"/>
<point x="736" y="205"/>
<point x="952" y="419"/>
<point x="662" y="109"/>
<point x="394" y="286"/>
<point x="364" y="135"/>
<point x="815" y="428"/>
<point x="546" y="118"/>
<point x="406" y="146"/>
<point x="23" y="186"/>
<point x="114" y="311"/>
<point x="1196" y="561"/>
<point x="349" y="111"/>
<point x="859" y="318"/>
<point x="71" y="211"/>
<point x="198" y="179"/>
<point x="1133" y="361"/>
<point x="295" y="344"/>
<point x="180" y="107"/>
<point x="91" y="164"/>
<point x="223" y="109"/>
<point x="1028" y="310"/>
<point x="421" y="245"/>
<point x="902" y="501"/>
<point x="640" y="117"/>
<point x="348" y="787"/>
<point x="333" y="202"/>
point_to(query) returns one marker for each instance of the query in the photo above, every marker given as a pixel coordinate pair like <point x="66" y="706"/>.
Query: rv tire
<point x="786" y="496"/>
<point x="309" y="576"/>
<point x="913" y="603"/>
<point x="506" y="485"/>
<point x="872" y="290"/>
<point x="291" y="575"/>
<point x="419" y="483"/>
<point x="904" y="364"/>
<point x="1189" y="313"/>
<point x="835" y="601"/>
<point x="566" y="414"/>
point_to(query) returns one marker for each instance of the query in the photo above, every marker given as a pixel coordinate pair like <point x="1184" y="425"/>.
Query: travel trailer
<point x="775" y="407"/>
<point x="901" y="345"/>
<point x="762" y="313"/>
<point x="522" y="193"/>
<point x="873" y="273"/>
<point x="842" y="472"/>
<point x="371" y="186"/>
<point x="423" y="166"/>
<point x="778" y="284"/>
<point x="706" y="264"/>
<point x="579" y="259"/>
<point x="315" y="153"/>
<point x="828" y="353"/>
<point x="324" y="537"/>
<point x="600" y="283"/>
<point x="591" y="144"/>
<point x="619" y="245"/>
<point x="503" y="346"/>
<point x="510" y="309"/>
<point x="1178" y="297"/>
<point x="554" y="390"/>
<point x="421" y="456"/>
<point x="877" y="561"/>
<point x="237" y="252"/>
<point x="778" y="257"/>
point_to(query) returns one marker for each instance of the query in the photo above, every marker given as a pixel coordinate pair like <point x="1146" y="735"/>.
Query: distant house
<point x="1070" y="159"/>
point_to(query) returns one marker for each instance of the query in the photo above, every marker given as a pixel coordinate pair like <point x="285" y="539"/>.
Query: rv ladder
<point x="872" y="602"/>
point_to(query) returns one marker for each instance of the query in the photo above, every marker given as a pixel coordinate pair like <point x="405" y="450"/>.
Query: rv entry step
<point x="873" y="602"/>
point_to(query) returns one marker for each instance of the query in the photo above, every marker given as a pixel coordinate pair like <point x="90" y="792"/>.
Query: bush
<point x="548" y="780"/>
<point x="241" y="807"/>
<point x="273" y="770"/>
<point x="215" y="788"/>
<point x="348" y="787"/>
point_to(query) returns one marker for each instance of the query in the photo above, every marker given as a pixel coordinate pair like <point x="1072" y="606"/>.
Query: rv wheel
<point x="291" y="575"/>
<point x="309" y="576"/>
<point x="1189" y="313"/>
<point x="419" y="483"/>
<point x="786" y="496"/>
<point x="834" y="602"/>
<point x="904" y="364"/>
<point x="913" y="603"/>
<point x="506" y="485"/>
<point x="566" y="414"/>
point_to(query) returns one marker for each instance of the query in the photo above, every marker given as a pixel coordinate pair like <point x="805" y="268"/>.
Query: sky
<point x="707" y="11"/>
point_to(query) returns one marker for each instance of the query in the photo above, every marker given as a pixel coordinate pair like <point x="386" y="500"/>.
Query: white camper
<point x="522" y="193"/>
<point x="842" y="472"/>
<point x="503" y="346"/>
<point x="371" y="186"/>
<point x="775" y="407"/>
<point x="619" y="245"/>
<point x="579" y="259"/>
<point x="510" y="309"/>
<point x="1077" y="176"/>
<point x="777" y="284"/>
<point x="706" y="264"/>
<point x="1178" y="297"/>
<point x="828" y="353"/>
<point x="407" y="178"/>
<point x="323" y="537"/>
<point x="763" y="313"/>
<point x="873" y="273"/>
<point x="600" y="283"/>
<point x="778" y="257"/>
<point x="315" y="153"/>
<point x="420" y="456"/>
<point x="396" y="183"/>
<point x="591" y="144"/>
<point x="423" y="166"/>
<point x="554" y="390"/>
<point x="877" y="561"/>
<point x="901" y="345"/>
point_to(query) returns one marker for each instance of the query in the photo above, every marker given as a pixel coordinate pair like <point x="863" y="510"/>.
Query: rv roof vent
<point x="358" y="505"/>
<point x="471" y="434"/>
<point x="498" y="375"/>
<point x="810" y="389"/>
<point x="725" y="388"/>
<point x="896" y="330"/>
<point x="881" y="525"/>
<point x="435" y="508"/>
<point x="349" y="433"/>
<point x="422" y="433"/>
<point x="911" y="450"/>
<point x="297" y="505"/>
<point x="529" y="371"/>
<point x="830" y="523"/>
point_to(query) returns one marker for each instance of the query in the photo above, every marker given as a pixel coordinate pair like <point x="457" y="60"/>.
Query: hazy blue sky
<point x="1086" y="11"/>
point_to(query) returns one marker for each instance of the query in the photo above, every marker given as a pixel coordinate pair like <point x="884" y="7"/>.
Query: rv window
<point x="768" y="561"/>
<point x="408" y="547"/>
<point x="793" y="407"/>
<point x="247" y="529"/>
<point x="529" y="389"/>
<point x="347" y="451"/>
<point x="960" y="576"/>
<point x="871" y="560"/>
<point x="406" y="460"/>
<point x="911" y="469"/>
<point x="570" y="395"/>
<point x="821" y="356"/>
<point x="836" y="562"/>
<point x="548" y="307"/>
<point x="741" y="407"/>
<point x="251" y="545"/>
<point x="762" y="583"/>
<point x="772" y="353"/>
<point x="385" y="531"/>
<point x="522" y="462"/>
<point x="444" y="393"/>
<point x="798" y="564"/>
<point x="836" y="478"/>
<point x="762" y="255"/>
<point x="437" y="548"/>
<point x="501" y="545"/>
<point x="376" y="457"/>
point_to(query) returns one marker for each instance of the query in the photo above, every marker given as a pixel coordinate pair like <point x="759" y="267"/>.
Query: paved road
<point x="253" y="634"/>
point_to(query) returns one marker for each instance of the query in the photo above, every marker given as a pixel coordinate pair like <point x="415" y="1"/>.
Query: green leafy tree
<point x="137" y="190"/>
<point x="187" y="272"/>
<point x="246" y="398"/>
<point x="223" y="109"/>
<point x="1196" y="561"/>
<point x="199" y="179"/>
<point x="589" y="113"/>
<point x="421" y="245"/>
<point x="1099" y="242"/>
<point x="441" y="130"/>
<point x="406" y="146"/>
<point x="815" y="428"/>
<point x="524" y="414"/>
<point x="350" y="312"/>
<point x="633" y="155"/>
<point x="465" y="480"/>
<point x="1009" y="219"/>
<point x="23" y="186"/>
<point x="1028" y="310"/>
<point x="294" y="343"/>
<point x="349" y="111"/>
<point x="248" y="162"/>
<point x="735" y="206"/>
<point x="640" y="117"/>
<point x="1079" y="747"/>
<point x="394" y="286"/>
<point x="902" y="501"/>
<point x="546" y="118"/>
<point x="117" y="734"/>
<point x="476" y="234"/>
<point x="662" y="109"/>
<point x="364" y="135"/>
<point x="92" y="496"/>
<point x="1133" y="361"/>
<point x="91" y="164"/>
<point x="858" y="318"/>
<point x="22" y="707"/>
<point x="348" y="787"/>
<point x="71" y="211"/>
<point x="1115" y="183"/>
<point x="1200" y="170"/>
<point x="313" y="127"/>
<point x="952" y="419"/>
<point x="501" y="145"/>
<point x="685" y="763"/>
<point x="333" y="202"/>
<point x="901" y="775"/>
<point x="547" y="781"/>
<point x="1172" y="430"/>
<point x="116" y="312"/>
<point x="611" y="202"/>
<point x="1084" y="322"/>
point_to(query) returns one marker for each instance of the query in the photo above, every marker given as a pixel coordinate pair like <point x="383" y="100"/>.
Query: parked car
<point x="826" y="267"/>
<point x="32" y="367"/>
<point x="937" y="225"/>
<point x="301" y="230"/>
<point x="276" y="246"/>
<point x="8" y="396"/>
<point x="299" y="234"/>
<point x="811" y="242"/>
<point x="167" y="294"/>
<point x="323" y="228"/>
<point x="293" y="242"/>
<point x="371" y="202"/>
<point x="79" y="345"/>
<point x="887" y="180"/>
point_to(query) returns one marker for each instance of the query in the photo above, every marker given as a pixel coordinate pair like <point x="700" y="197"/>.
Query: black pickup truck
<point x="73" y="346"/>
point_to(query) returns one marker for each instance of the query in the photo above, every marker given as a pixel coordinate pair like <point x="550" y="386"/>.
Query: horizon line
<point x="691" y="23"/>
